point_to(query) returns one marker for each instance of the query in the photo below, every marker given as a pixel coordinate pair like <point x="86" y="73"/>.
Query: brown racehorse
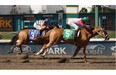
<point x="83" y="39"/>
<point x="22" y="38"/>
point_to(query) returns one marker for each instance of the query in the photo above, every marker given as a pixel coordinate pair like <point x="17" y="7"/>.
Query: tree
<point x="14" y="10"/>
<point x="102" y="9"/>
<point x="83" y="10"/>
<point x="30" y="10"/>
<point x="108" y="10"/>
<point x="93" y="9"/>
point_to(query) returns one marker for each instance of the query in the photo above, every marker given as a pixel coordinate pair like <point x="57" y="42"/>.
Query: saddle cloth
<point x="33" y="33"/>
<point x="70" y="34"/>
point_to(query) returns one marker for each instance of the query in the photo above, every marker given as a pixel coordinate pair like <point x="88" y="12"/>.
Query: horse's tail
<point x="14" y="39"/>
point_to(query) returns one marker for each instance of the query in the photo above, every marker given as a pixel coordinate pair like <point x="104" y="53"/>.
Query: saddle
<point x="77" y="32"/>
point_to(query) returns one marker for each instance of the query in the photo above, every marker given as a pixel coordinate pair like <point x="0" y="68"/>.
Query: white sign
<point x="113" y="48"/>
<point x="25" y="49"/>
<point x="72" y="10"/>
<point x="95" y="49"/>
<point x="56" y="50"/>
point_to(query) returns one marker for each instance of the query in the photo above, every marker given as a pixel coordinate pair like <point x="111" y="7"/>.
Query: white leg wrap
<point x="39" y="52"/>
<point x="44" y="52"/>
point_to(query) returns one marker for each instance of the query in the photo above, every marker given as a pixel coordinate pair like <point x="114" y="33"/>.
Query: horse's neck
<point x="89" y="33"/>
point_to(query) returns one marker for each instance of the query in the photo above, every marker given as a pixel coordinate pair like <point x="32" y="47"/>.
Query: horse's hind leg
<point x="76" y="51"/>
<point x="67" y="59"/>
<point x="20" y="49"/>
<point x="19" y="44"/>
<point x="12" y="49"/>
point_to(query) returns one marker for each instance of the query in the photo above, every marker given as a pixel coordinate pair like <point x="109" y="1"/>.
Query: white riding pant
<point x="76" y="27"/>
<point x="73" y="24"/>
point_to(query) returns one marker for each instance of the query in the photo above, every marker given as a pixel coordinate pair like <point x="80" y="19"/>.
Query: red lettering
<point x="8" y="23"/>
<point x="2" y="23"/>
<point x="5" y="23"/>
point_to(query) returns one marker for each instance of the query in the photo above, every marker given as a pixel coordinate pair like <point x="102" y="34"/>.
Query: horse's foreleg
<point x="84" y="54"/>
<point x="76" y="51"/>
<point x="41" y="51"/>
<point x="44" y="48"/>
<point x="67" y="59"/>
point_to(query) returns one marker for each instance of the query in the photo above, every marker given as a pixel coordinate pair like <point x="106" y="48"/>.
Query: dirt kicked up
<point x="23" y="61"/>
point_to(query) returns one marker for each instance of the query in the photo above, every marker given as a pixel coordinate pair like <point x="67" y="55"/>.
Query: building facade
<point x="15" y="9"/>
<point x="47" y="9"/>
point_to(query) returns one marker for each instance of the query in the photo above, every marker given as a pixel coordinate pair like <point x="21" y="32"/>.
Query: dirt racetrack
<point x="16" y="62"/>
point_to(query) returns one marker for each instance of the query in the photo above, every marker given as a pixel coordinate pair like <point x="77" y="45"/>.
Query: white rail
<point x="111" y="39"/>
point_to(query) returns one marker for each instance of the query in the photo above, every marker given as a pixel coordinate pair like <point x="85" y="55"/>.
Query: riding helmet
<point x="85" y="18"/>
<point x="47" y="20"/>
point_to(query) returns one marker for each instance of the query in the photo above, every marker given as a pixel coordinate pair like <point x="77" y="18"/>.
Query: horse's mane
<point x="89" y="29"/>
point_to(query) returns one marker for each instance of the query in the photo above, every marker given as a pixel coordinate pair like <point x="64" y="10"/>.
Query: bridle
<point x="106" y="36"/>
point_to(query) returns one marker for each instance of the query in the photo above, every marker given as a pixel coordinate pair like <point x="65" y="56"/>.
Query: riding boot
<point x="41" y="32"/>
<point x="75" y="36"/>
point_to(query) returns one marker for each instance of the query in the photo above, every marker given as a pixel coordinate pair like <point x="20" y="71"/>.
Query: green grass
<point x="8" y="35"/>
<point x="112" y="34"/>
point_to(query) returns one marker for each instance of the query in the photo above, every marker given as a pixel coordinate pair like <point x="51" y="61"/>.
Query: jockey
<point x="45" y="24"/>
<point x="77" y="23"/>
<point x="37" y="25"/>
<point x="60" y="25"/>
<point x="42" y="25"/>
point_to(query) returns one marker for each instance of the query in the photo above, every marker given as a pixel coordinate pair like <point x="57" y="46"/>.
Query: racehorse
<point x="56" y="36"/>
<point x="22" y="38"/>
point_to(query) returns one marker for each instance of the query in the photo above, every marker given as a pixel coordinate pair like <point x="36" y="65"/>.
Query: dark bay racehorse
<point x="22" y="38"/>
<point x="56" y="35"/>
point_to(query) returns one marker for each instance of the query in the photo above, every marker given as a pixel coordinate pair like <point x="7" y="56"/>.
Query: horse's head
<point x="102" y="32"/>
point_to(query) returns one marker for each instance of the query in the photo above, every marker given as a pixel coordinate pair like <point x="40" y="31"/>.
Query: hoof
<point x="35" y="54"/>
<point x="63" y="60"/>
<point x="25" y="61"/>
<point x="19" y="54"/>
<point x="88" y="62"/>
<point x="43" y="57"/>
<point x="38" y="54"/>
<point x="9" y="52"/>
<point x="22" y="56"/>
